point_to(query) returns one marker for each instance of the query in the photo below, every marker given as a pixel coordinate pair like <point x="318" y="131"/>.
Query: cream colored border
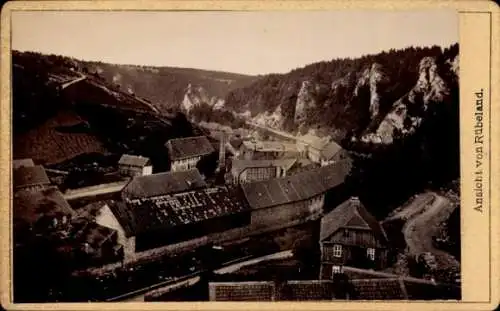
<point x="475" y="58"/>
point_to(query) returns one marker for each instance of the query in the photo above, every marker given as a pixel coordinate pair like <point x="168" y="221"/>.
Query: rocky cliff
<point x="371" y="99"/>
<point x="196" y="96"/>
<point x="407" y="113"/>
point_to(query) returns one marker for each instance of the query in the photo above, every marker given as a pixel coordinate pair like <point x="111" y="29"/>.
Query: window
<point x="337" y="250"/>
<point x="370" y="253"/>
<point x="335" y="270"/>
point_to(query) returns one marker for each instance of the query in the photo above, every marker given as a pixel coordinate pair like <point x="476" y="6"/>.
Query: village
<point x="222" y="206"/>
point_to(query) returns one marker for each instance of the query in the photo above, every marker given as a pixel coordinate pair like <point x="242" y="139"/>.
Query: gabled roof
<point x="163" y="183"/>
<point x="177" y="209"/>
<point x="350" y="214"/>
<point x="238" y="165"/>
<point x="30" y="206"/>
<point x="187" y="147"/>
<point x="29" y="176"/>
<point x="357" y="289"/>
<point x="22" y="162"/>
<point x="133" y="160"/>
<point x="297" y="187"/>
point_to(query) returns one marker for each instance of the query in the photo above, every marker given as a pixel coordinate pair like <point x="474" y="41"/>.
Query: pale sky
<point x="242" y="42"/>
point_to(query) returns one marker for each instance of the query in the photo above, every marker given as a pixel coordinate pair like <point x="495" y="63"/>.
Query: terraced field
<point x="47" y="145"/>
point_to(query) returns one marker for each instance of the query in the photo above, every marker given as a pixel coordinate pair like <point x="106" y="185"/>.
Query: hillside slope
<point x="350" y="97"/>
<point x="164" y="87"/>
<point x="63" y="114"/>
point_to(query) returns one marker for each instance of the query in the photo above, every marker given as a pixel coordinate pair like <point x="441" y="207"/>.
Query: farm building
<point x="162" y="183"/>
<point x="32" y="178"/>
<point x="132" y="165"/>
<point x="319" y="150"/>
<point x="298" y="196"/>
<point x="149" y="223"/>
<point x="351" y="236"/>
<point x="22" y="163"/>
<point x="185" y="152"/>
<point x="267" y="150"/>
<point x="317" y="290"/>
<point x="95" y="244"/>
<point x="255" y="170"/>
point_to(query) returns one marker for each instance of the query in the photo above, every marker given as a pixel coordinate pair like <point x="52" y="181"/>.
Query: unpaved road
<point x="419" y="230"/>
<point x="95" y="190"/>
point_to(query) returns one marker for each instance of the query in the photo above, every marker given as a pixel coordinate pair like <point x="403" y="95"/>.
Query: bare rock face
<point x="273" y="119"/>
<point x="342" y="82"/>
<point x="407" y="112"/>
<point x="454" y="65"/>
<point x="305" y="100"/>
<point x="374" y="78"/>
<point x="195" y="96"/>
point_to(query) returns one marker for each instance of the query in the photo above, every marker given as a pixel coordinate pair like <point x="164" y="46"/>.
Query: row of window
<point x="337" y="252"/>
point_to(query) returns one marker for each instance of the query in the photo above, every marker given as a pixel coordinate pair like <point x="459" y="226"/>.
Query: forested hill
<point x="164" y="87"/>
<point x="345" y="96"/>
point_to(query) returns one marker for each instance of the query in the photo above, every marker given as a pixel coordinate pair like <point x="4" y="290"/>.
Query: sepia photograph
<point x="218" y="156"/>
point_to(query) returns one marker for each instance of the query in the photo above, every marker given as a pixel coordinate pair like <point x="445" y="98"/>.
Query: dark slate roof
<point x="297" y="187"/>
<point x="238" y="165"/>
<point x="133" y="160"/>
<point x="163" y="183"/>
<point x="351" y="214"/>
<point x="22" y="162"/>
<point x="30" y="206"/>
<point x="359" y="289"/>
<point x="242" y="291"/>
<point x="377" y="289"/>
<point x="29" y="176"/>
<point x="187" y="147"/>
<point x="167" y="211"/>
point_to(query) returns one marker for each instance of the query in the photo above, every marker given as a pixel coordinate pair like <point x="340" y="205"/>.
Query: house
<point x="162" y="183"/>
<point x="103" y="214"/>
<point x="32" y="178"/>
<point x="40" y="212"/>
<point x="396" y="288"/>
<point x="148" y="223"/>
<point x="267" y="150"/>
<point x="320" y="150"/>
<point x="132" y="165"/>
<point x="330" y="153"/>
<point x="293" y="198"/>
<point x="185" y="152"/>
<point x="22" y="163"/>
<point x="350" y="236"/>
<point x="255" y="170"/>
